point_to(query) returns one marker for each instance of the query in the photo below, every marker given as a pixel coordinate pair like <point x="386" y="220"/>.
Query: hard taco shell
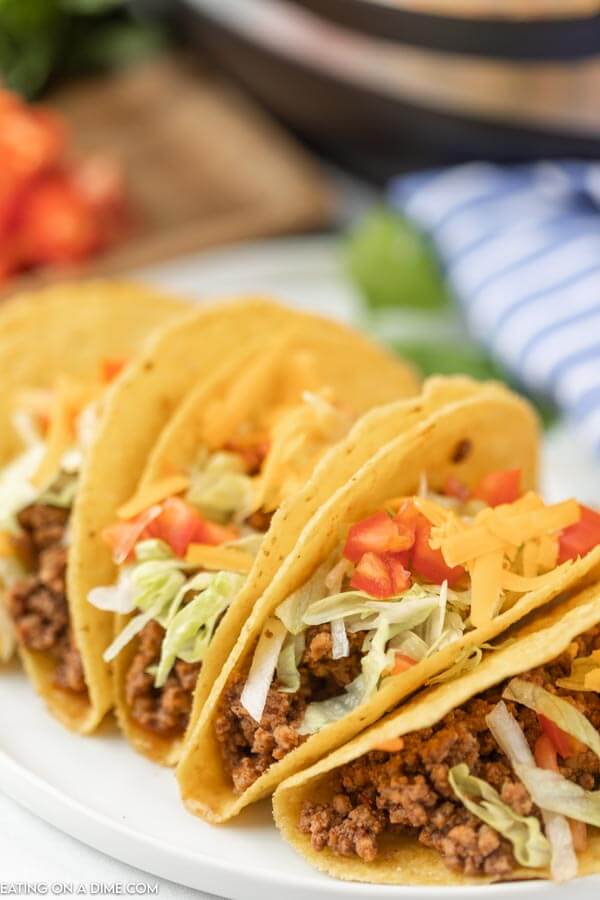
<point x="403" y="860"/>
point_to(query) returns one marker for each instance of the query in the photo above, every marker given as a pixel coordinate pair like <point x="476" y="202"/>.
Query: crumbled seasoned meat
<point x="260" y="520"/>
<point x="69" y="671"/>
<point x="408" y="790"/>
<point x="165" y="710"/>
<point x="249" y="748"/>
<point x="253" y="455"/>
<point x="38" y="603"/>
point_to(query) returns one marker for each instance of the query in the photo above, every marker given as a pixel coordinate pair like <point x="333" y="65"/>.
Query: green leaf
<point x="90" y="7"/>
<point x="448" y="358"/>
<point x="393" y="265"/>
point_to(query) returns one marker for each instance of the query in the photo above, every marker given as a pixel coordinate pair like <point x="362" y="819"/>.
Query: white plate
<point x="102" y="793"/>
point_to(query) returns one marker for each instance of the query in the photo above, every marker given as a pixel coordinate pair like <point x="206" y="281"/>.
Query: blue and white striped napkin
<point x="520" y="247"/>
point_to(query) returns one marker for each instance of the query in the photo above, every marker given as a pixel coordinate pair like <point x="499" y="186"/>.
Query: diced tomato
<point x="402" y="662"/>
<point x="395" y="745"/>
<point x="397" y="566"/>
<point x="123" y="536"/>
<point x="453" y="487"/>
<point x="545" y="753"/>
<point x="503" y="486"/>
<point x="580" y="538"/>
<point x="180" y="525"/>
<point x="32" y="140"/>
<point x="429" y="563"/>
<point x="381" y="575"/>
<point x="110" y="368"/>
<point x="561" y="741"/>
<point x="177" y="525"/>
<point x="56" y="224"/>
<point x="10" y="258"/>
<point x="253" y="453"/>
<point x="375" y="534"/>
<point x="12" y="190"/>
<point x="373" y="576"/>
<point x="213" y="533"/>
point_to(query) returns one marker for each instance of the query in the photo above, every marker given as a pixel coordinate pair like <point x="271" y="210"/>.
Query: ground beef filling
<point x="165" y="710"/>
<point x="407" y="791"/>
<point x="38" y="603"/>
<point x="249" y="748"/>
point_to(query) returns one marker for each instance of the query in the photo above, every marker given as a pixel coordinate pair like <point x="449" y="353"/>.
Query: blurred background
<point x="446" y="148"/>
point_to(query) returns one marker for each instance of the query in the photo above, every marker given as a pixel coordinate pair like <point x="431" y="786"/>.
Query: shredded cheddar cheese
<point x="299" y="437"/>
<point x="215" y="558"/>
<point x="152" y="494"/>
<point x="498" y="541"/>
<point x="392" y="746"/>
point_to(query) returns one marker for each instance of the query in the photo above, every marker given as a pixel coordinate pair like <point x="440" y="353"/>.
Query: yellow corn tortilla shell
<point x="67" y="331"/>
<point x="403" y="860"/>
<point x="502" y="432"/>
<point x="194" y="350"/>
<point x="359" y="379"/>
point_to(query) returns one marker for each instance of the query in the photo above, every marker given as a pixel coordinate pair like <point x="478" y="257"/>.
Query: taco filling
<point x="509" y="779"/>
<point x="406" y="582"/>
<point x="37" y="491"/>
<point x="188" y="549"/>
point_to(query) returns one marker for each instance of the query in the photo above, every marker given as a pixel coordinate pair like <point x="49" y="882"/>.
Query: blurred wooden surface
<point x="203" y="166"/>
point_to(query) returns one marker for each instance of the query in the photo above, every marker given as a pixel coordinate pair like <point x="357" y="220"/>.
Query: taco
<point x="60" y="351"/>
<point x="436" y="545"/>
<point x="490" y="777"/>
<point x="242" y="442"/>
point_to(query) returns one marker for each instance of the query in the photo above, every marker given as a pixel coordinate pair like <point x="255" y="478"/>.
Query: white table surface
<point x="33" y="851"/>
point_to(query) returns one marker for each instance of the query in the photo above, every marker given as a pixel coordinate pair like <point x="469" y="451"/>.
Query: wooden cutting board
<point x="203" y="165"/>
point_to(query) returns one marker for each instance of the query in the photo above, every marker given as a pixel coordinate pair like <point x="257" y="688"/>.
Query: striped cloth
<point x="520" y="247"/>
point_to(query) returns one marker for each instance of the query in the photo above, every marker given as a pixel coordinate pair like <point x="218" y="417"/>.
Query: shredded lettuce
<point x="26" y="427"/>
<point x="434" y="626"/>
<point x="220" y="488"/>
<point x="338" y="606"/>
<point x="133" y="627"/>
<point x="16" y="490"/>
<point x="153" y="548"/>
<point x="291" y="611"/>
<point x="513" y="743"/>
<point x="409" y="644"/>
<point x="288" y="676"/>
<point x="157" y="584"/>
<point x="530" y="847"/>
<point x="551" y="791"/>
<point x="71" y="461"/>
<point x="87" y="422"/>
<point x="192" y="627"/>
<point x="468" y="659"/>
<point x="117" y="598"/>
<point x="255" y="692"/>
<point x="61" y="492"/>
<point x="559" y="711"/>
<point x="339" y="640"/>
<point x="321" y="713"/>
